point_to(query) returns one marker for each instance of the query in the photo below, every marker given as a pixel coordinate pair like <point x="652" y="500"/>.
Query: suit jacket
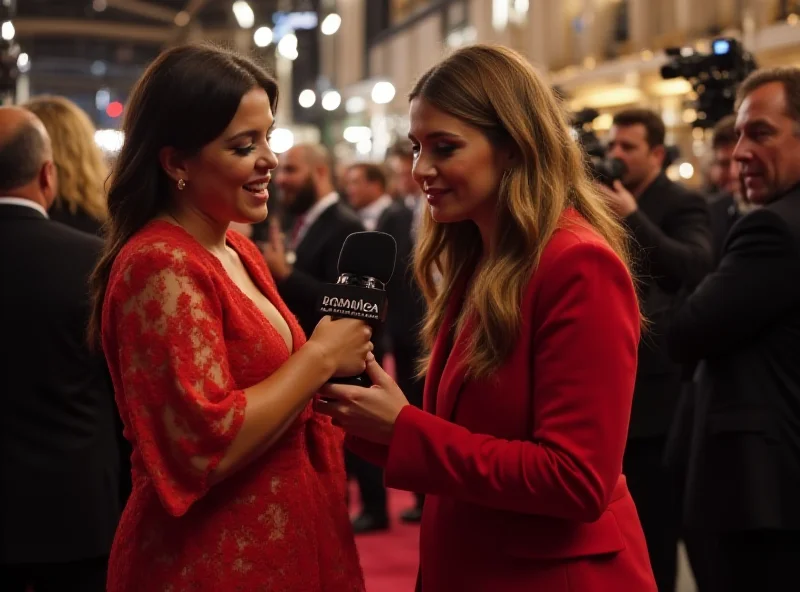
<point x="744" y="322"/>
<point x="522" y="469"/>
<point x="59" y="477"/>
<point x="723" y="214"/>
<point x="672" y="253"/>
<point x="406" y="303"/>
<point x="82" y="221"/>
<point x="79" y="220"/>
<point x="317" y="263"/>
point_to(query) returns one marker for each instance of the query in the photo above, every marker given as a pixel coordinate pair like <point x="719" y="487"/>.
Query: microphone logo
<point x="350" y="304"/>
<point x="354" y="307"/>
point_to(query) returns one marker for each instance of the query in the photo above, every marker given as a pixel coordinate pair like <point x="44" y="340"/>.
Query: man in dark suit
<point x="725" y="208"/>
<point x="59" y="477"/>
<point x="671" y="240"/>
<point x="743" y="321"/>
<point x="322" y="222"/>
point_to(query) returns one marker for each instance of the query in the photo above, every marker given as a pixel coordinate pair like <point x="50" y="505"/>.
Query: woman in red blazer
<point x="532" y="329"/>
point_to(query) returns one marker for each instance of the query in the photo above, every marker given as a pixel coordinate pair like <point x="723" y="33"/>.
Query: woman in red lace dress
<point x="237" y="483"/>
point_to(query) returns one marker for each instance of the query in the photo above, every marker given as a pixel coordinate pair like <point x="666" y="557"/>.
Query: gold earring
<point x="181" y="184"/>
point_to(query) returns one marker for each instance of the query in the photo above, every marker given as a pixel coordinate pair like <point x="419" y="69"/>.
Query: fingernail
<point x="370" y="357"/>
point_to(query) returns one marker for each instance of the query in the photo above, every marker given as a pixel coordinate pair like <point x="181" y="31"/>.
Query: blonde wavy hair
<point x="497" y="91"/>
<point x="82" y="171"/>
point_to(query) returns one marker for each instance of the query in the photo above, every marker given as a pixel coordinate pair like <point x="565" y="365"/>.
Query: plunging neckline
<point x="263" y="289"/>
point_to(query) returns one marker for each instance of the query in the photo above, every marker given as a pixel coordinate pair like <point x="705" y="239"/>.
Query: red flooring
<point x="390" y="558"/>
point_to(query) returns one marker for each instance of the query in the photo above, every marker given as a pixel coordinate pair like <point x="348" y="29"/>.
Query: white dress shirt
<point x="371" y="214"/>
<point x="21" y="201"/>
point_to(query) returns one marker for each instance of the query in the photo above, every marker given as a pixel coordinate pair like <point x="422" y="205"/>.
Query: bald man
<point x="59" y="475"/>
<point x="309" y="259"/>
<point x="26" y="159"/>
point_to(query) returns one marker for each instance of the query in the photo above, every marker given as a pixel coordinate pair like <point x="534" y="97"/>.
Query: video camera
<point x="714" y="76"/>
<point x="603" y="169"/>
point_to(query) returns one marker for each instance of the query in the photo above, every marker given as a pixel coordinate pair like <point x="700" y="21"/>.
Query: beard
<point x="305" y="197"/>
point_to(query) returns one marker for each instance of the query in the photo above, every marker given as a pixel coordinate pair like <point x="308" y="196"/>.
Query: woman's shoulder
<point x="159" y="246"/>
<point x="576" y="248"/>
<point x="573" y="229"/>
<point x="578" y="269"/>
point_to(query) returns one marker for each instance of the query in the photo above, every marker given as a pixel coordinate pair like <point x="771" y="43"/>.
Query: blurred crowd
<point x="679" y="236"/>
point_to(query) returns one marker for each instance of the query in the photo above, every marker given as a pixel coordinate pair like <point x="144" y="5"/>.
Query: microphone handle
<point x="360" y="298"/>
<point x="360" y="380"/>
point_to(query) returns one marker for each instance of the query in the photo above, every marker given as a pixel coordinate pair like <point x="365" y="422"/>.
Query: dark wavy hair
<point x="185" y="99"/>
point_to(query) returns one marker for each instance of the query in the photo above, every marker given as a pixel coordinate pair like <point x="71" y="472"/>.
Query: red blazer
<point x="523" y="470"/>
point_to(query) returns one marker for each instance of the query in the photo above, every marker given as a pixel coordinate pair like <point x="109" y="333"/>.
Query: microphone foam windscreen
<point x="370" y="254"/>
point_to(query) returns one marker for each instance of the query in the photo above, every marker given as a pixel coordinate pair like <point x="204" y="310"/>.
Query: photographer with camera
<point x="671" y="235"/>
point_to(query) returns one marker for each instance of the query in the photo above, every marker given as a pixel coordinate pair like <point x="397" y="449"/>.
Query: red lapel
<point x="454" y="372"/>
<point x="446" y="370"/>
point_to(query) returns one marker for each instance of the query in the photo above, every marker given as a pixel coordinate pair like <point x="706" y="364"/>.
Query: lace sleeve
<point x="182" y="405"/>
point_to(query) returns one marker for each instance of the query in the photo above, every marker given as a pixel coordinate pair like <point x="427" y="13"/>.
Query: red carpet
<point x="390" y="558"/>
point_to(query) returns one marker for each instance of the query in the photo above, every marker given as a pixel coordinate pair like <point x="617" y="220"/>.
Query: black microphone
<point x="366" y="264"/>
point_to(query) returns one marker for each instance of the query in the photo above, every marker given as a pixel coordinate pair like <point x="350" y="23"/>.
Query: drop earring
<point x="181" y="184"/>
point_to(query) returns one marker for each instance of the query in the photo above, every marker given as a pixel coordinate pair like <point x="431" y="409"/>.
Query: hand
<point x="618" y="198"/>
<point x="274" y="252"/>
<point x="369" y="413"/>
<point x="346" y="342"/>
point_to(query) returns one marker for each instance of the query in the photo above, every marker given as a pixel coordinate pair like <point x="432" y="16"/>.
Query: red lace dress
<point x="182" y="340"/>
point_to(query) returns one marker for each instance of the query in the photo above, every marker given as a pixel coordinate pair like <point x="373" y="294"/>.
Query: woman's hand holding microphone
<point x="369" y="413"/>
<point x="345" y="342"/>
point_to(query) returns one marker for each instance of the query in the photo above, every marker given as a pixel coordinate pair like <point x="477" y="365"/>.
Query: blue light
<point x="288" y="22"/>
<point x="721" y="47"/>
